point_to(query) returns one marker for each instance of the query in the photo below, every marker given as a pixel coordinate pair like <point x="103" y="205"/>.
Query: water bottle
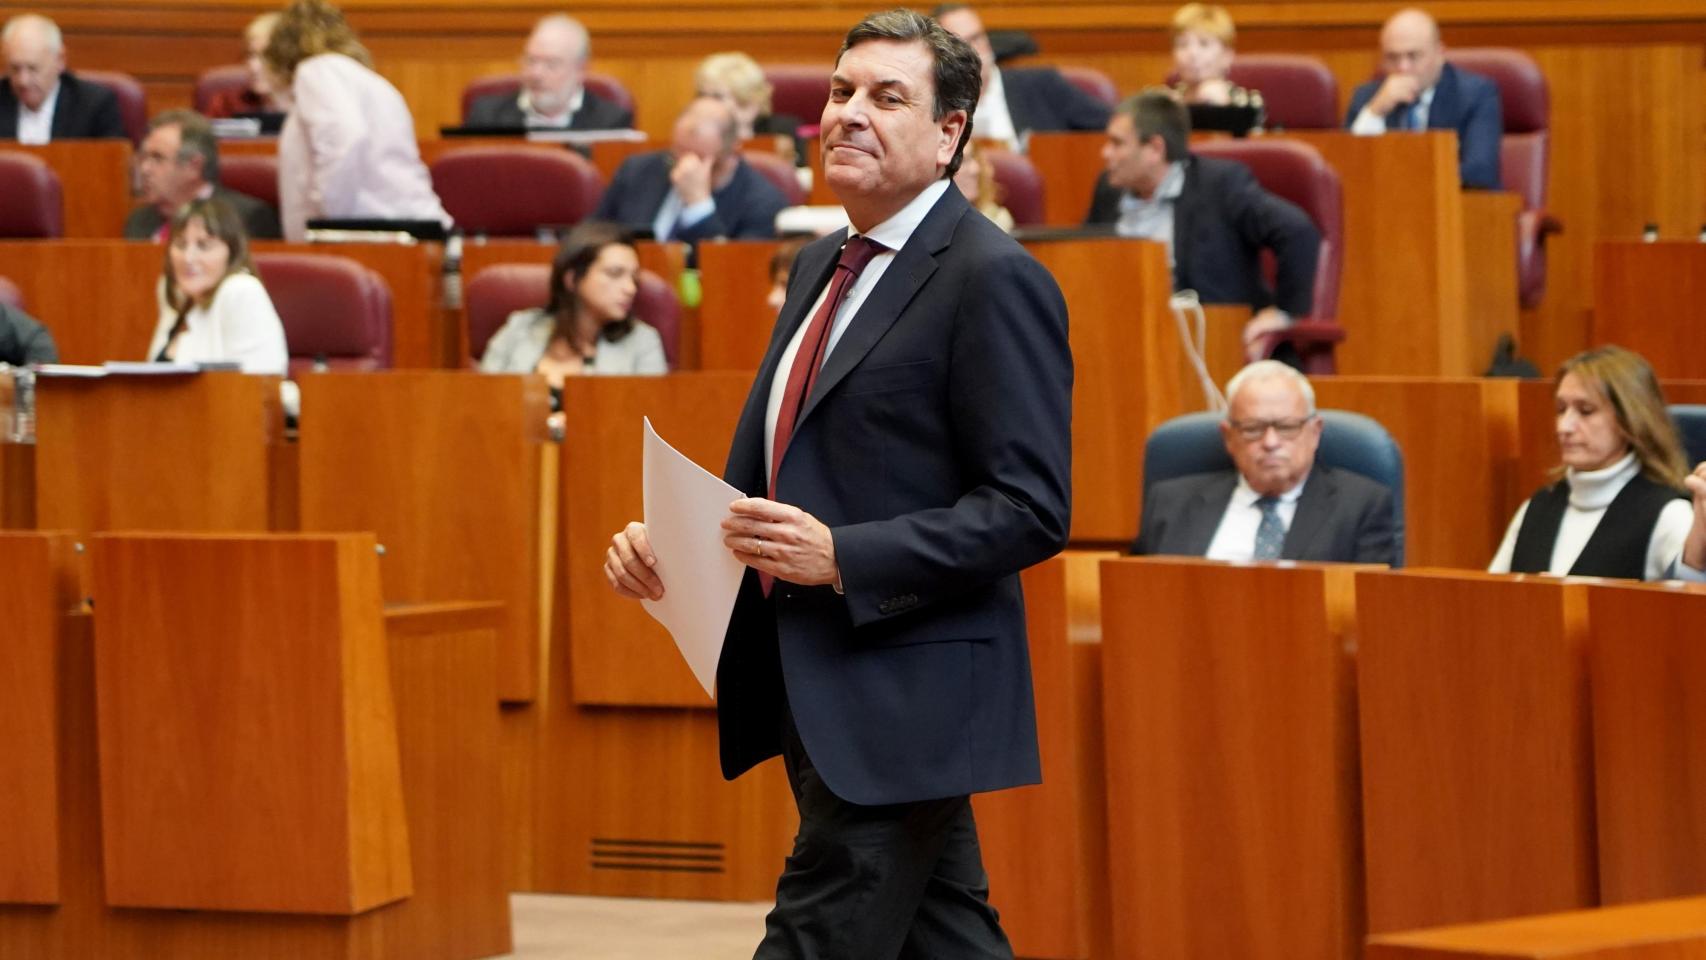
<point x="23" y="406"/>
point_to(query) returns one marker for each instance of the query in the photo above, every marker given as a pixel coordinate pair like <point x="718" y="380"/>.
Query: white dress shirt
<point x="36" y="126"/>
<point x="1235" y="538"/>
<point x="1370" y="124"/>
<point x="1591" y="493"/>
<point x="891" y="233"/>
<point x="994" y="121"/>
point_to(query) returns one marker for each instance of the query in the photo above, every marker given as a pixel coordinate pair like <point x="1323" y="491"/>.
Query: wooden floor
<point x="607" y="928"/>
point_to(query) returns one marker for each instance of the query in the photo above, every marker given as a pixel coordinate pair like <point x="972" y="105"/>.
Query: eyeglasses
<point x="1253" y="430"/>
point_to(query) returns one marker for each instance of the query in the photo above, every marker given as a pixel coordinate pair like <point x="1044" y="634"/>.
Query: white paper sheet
<point x="684" y="508"/>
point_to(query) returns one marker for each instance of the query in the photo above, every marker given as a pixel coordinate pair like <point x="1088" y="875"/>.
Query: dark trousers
<point x="897" y="882"/>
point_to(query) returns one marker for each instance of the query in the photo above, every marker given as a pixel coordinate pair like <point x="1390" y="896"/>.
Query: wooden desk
<point x="1477" y="770"/>
<point x="1651" y="298"/>
<point x="735" y="318"/>
<point x="1649" y="735"/>
<point x="452" y="472"/>
<point x="95" y="181"/>
<point x="1231" y="759"/>
<point x="1052" y="895"/>
<point x="1665" y="930"/>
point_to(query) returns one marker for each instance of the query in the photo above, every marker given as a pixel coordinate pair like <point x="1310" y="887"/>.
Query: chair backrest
<point x="1690" y="421"/>
<point x="1093" y="82"/>
<point x="1020" y="187"/>
<point x="216" y="82"/>
<point x="35" y="207"/>
<point x="799" y="90"/>
<point x="1349" y="441"/>
<point x="10" y="295"/>
<point x="781" y="174"/>
<point x="1526" y="102"/>
<point x="1300" y="93"/>
<point x="251" y="174"/>
<point x="607" y="87"/>
<point x="132" y="99"/>
<point x="1297" y="172"/>
<point x="333" y="309"/>
<point x="543" y="186"/>
<point x="491" y="295"/>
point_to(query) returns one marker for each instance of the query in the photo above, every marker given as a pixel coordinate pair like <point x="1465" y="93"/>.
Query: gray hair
<point x="1269" y="370"/>
<point x="573" y="26"/>
<point x="49" y="30"/>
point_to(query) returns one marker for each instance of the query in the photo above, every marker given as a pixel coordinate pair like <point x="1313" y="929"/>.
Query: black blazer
<point x="935" y="445"/>
<point x="504" y="110"/>
<point x="23" y="340"/>
<point x="259" y="219"/>
<point x="1342" y="517"/>
<point x="1467" y="103"/>
<point x="85" y="111"/>
<point x="1040" y="98"/>
<point x="746" y="206"/>
<point x="1222" y="222"/>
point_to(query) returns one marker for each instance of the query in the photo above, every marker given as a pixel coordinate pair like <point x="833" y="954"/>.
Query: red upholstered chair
<point x="607" y="87"/>
<point x="500" y="290"/>
<point x="1300" y="92"/>
<point x="34" y="208"/>
<point x="1094" y="82"/>
<point x="251" y="174"/>
<point x="132" y="101"/>
<point x="799" y="90"/>
<point x="333" y="308"/>
<point x="779" y="172"/>
<point x="1296" y="172"/>
<point x="542" y="186"/>
<point x="227" y="81"/>
<point x="10" y="295"/>
<point x="1020" y="186"/>
<point x="1524" y="158"/>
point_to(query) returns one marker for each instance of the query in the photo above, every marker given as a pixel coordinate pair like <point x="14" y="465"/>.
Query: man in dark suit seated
<point x="1020" y="100"/>
<point x="1212" y="214"/>
<point x="1422" y="92"/>
<point x="1278" y="504"/>
<point x="179" y="162"/>
<point x="698" y="188"/>
<point x="41" y="101"/>
<point x="553" y="68"/>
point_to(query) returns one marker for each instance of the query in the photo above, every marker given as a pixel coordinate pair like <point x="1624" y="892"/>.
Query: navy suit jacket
<point x="1467" y="103"/>
<point x="746" y="206"/>
<point x="1222" y="222"/>
<point x="1342" y="517"/>
<point x="936" y="447"/>
<point x="85" y="111"/>
<point x="1041" y="98"/>
<point x="504" y="110"/>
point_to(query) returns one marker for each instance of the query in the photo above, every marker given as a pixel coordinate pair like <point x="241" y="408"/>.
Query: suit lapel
<point x="1203" y="513"/>
<point x="66" y="107"/>
<point x="1314" y="506"/>
<point x="1184" y="221"/>
<point x="1443" y="111"/>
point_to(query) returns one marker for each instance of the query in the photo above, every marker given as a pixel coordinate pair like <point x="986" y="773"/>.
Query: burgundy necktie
<point x="809" y="359"/>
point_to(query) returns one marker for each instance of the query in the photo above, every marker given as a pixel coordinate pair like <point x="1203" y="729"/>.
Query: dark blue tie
<point x="1270" y="536"/>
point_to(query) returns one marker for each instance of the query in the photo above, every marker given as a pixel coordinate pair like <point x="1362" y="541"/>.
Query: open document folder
<point x="684" y="511"/>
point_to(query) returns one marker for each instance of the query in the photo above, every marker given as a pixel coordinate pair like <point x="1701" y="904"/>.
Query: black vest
<point x="1618" y="547"/>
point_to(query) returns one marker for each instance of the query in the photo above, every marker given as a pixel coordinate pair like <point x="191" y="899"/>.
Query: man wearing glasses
<point x="1278" y="504"/>
<point x="553" y="94"/>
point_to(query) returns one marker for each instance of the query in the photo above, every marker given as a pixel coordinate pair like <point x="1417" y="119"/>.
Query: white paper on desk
<point x="684" y="508"/>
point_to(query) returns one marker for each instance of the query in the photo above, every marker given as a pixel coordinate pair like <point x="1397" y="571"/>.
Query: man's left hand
<point x="1269" y="320"/>
<point x="783" y="541"/>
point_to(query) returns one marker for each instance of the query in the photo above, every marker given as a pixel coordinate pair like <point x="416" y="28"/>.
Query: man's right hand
<point x="1398" y="90"/>
<point x="628" y="564"/>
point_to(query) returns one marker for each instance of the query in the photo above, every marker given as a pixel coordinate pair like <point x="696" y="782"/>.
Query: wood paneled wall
<point x="1628" y="79"/>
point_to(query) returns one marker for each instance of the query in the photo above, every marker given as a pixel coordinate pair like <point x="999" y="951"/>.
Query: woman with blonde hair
<point x="348" y="149"/>
<point x="258" y="96"/>
<point x="1203" y="38"/>
<point x="1619" y="508"/>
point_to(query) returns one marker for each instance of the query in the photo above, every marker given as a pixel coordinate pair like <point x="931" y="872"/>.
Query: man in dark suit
<point x="1422" y="92"/>
<point x="553" y="91"/>
<point x="895" y="492"/>
<point x="41" y="101"/>
<point x="179" y="162"/>
<point x="1019" y="101"/>
<point x="1278" y="503"/>
<point x="696" y="189"/>
<point x="1214" y="217"/>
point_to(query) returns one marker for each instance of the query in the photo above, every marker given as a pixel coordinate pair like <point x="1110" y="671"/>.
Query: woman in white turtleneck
<point x="1620" y="509"/>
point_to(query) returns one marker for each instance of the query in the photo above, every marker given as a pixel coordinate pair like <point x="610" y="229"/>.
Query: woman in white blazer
<point x="588" y="325"/>
<point x="212" y="306"/>
<point x="348" y="147"/>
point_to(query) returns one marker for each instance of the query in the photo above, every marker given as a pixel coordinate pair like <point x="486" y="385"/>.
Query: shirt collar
<point x="564" y="118"/>
<point x="1171" y="186"/>
<point x="1246" y="496"/>
<point x="896" y="230"/>
<point x="997" y="90"/>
